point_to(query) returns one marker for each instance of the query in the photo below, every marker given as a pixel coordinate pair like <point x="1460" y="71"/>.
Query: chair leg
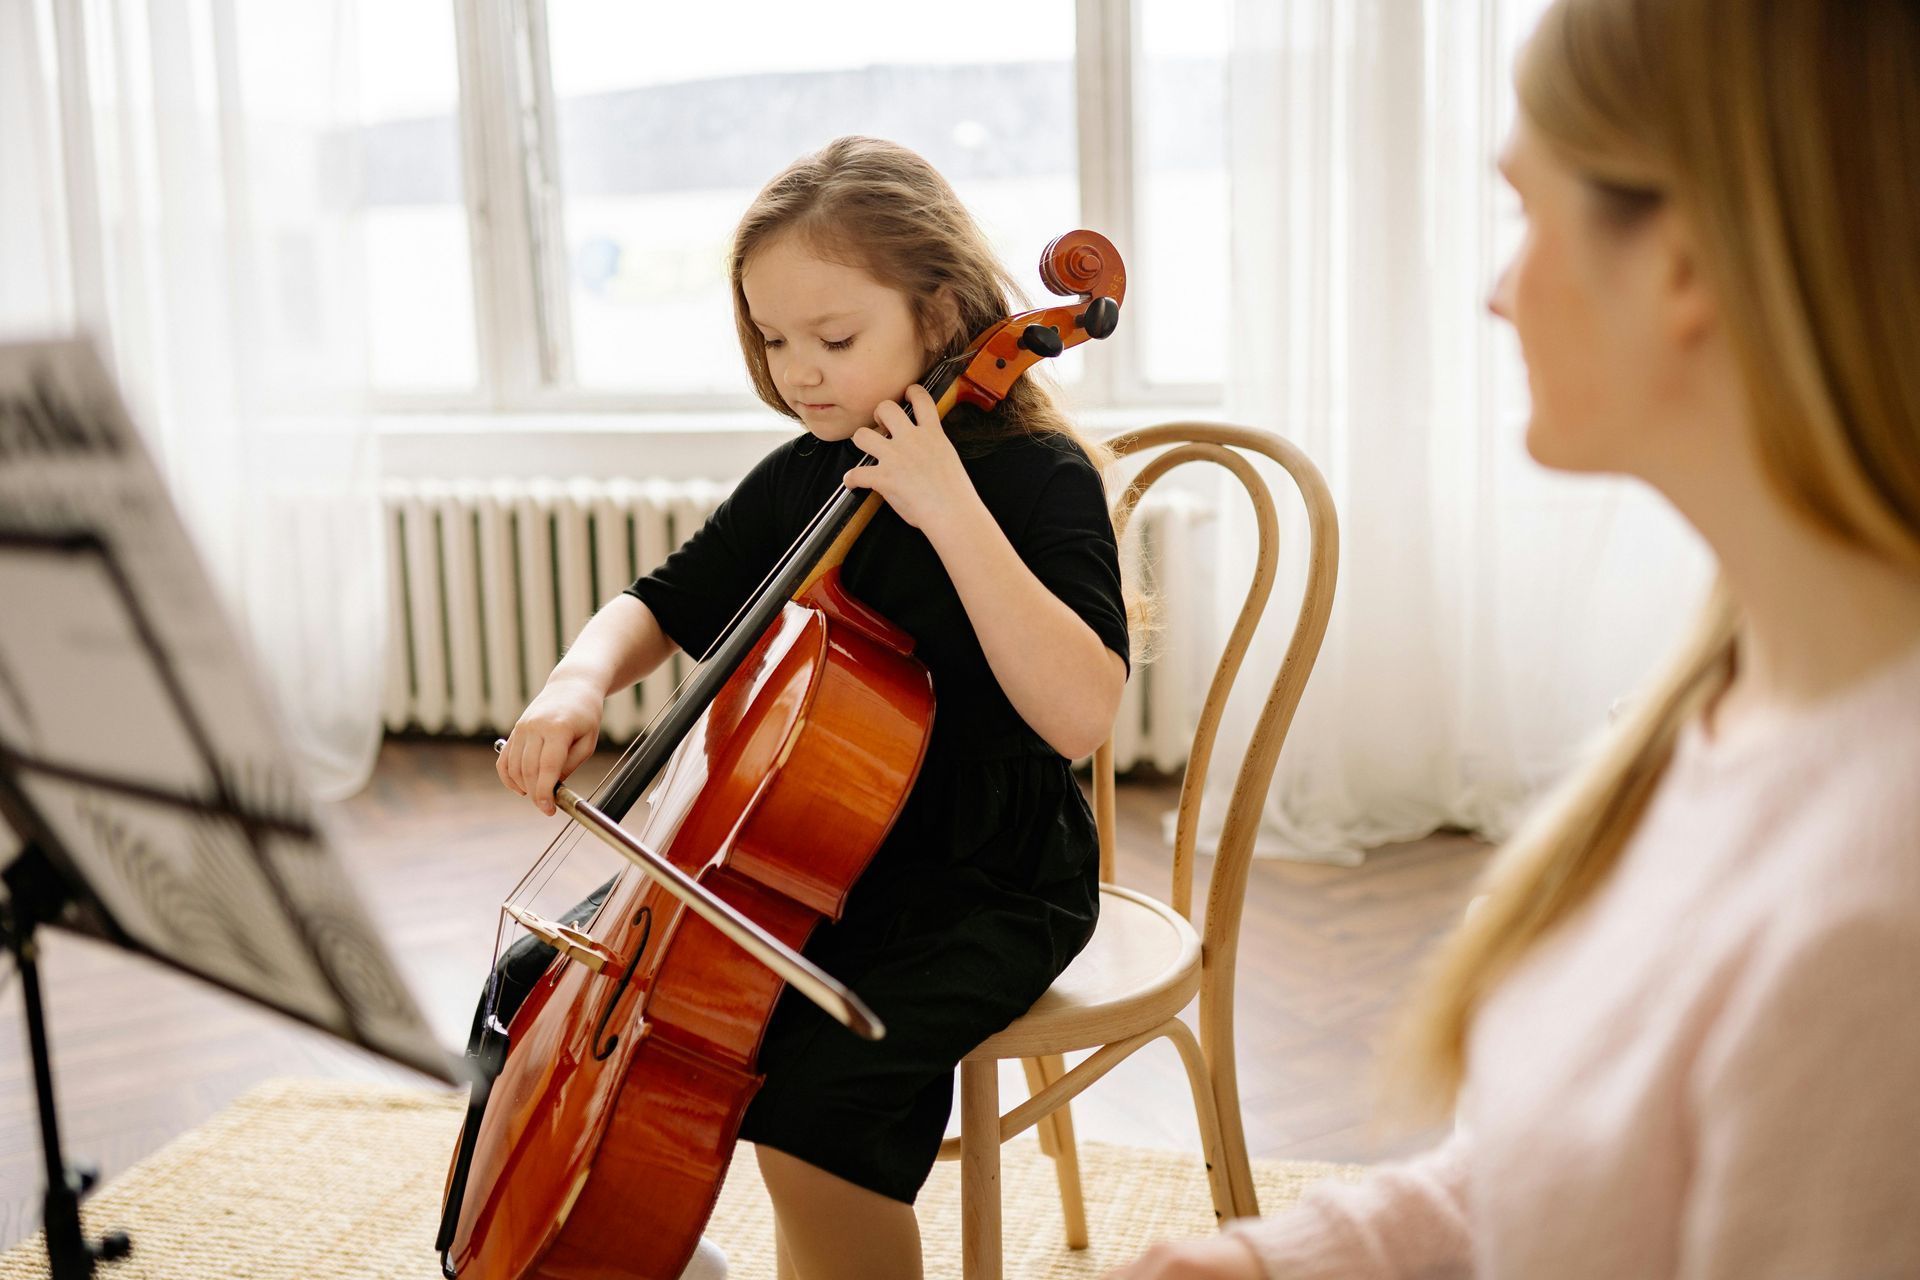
<point x="1066" y="1156"/>
<point x="1213" y="1151"/>
<point x="1233" y="1138"/>
<point x="980" y="1170"/>
<point x="1036" y="1081"/>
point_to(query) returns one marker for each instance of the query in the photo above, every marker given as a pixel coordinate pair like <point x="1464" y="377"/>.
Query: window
<point x="671" y="118"/>
<point x="419" y="259"/>
<point x="555" y="234"/>
<point x="1180" y="194"/>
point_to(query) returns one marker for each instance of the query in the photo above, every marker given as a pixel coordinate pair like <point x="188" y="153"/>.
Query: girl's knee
<point x="788" y="1177"/>
<point x="778" y="1169"/>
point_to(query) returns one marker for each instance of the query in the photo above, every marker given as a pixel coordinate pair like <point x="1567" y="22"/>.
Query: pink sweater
<point x="1713" y="1068"/>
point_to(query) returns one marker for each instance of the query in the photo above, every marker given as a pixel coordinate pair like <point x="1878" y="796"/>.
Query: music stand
<point x="146" y="775"/>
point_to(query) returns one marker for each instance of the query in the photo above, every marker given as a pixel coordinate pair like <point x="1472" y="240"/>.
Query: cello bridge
<point x="569" y="942"/>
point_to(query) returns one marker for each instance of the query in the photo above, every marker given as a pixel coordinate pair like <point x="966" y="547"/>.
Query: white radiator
<point x="488" y="581"/>
<point x="1167" y="557"/>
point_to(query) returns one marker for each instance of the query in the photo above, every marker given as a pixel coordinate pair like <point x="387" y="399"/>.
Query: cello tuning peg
<point x="1101" y="317"/>
<point x="1043" y="340"/>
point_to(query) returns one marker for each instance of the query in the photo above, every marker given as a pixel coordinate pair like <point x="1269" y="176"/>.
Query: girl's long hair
<point x="1788" y="135"/>
<point x="878" y="206"/>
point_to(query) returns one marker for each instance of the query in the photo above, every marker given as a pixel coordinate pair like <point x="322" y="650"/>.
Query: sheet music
<point x="189" y="887"/>
<point x="279" y="922"/>
<point x="72" y="461"/>
<point x="78" y="664"/>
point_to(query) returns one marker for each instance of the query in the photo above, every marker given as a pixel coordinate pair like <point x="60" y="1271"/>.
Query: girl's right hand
<point x="553" y="737"/>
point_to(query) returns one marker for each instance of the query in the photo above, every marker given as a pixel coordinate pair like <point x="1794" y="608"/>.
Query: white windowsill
<point x="712" y="444"/>
<point x="715" y="422"/>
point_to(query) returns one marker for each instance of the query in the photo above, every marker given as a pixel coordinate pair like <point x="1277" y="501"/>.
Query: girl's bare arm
<point x="1056" y="672"/>
<point x="557" y="732"/>
<point x="1060" y="677"/>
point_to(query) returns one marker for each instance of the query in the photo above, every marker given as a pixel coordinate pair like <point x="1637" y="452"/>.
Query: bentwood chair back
<point x="1149" y="960"/>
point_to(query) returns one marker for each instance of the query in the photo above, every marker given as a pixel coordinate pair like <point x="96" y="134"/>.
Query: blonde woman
<point x="1682" y="1036"/>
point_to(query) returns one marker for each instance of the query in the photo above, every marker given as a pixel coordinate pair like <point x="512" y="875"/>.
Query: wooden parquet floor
<point x="142" y="1054"/>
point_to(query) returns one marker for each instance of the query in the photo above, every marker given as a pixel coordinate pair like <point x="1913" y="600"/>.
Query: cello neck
<point x="626" y="784"/>
<point x="1081" y="263"/>
<point x="842" y="544"/>
<point x="945" y="397"/>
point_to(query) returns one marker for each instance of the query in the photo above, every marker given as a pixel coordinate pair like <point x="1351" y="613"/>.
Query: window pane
<point x="672" y="117"/>
<point x="1179" y="269"/>
<point x="419" y="266"/>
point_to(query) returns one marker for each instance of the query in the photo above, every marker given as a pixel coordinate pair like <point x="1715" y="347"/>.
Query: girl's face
<point x="1592" y="304"/>
<point x="839" y="343"/>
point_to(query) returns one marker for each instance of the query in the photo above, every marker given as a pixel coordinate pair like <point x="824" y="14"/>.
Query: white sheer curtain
<point x="181" y="180"/>
<point x="1488" y="613"/>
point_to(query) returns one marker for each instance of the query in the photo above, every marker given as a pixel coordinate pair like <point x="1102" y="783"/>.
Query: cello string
<point x="941" y="372"/>
<point x="548" y="864"/>
<point x="940" y="369"/>
<point x="565" y="842"/>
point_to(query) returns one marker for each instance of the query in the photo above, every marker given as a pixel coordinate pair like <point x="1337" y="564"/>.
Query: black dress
<point x="987" y="886"/>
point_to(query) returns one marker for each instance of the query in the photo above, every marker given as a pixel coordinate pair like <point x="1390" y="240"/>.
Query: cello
<point x="608" y="1094"/>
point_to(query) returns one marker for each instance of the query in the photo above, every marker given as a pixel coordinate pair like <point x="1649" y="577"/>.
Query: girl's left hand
<point x="1214" y="1258"/>
<point x="915" y="467"/>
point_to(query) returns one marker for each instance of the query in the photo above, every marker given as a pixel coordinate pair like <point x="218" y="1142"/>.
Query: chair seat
<point x="1141" y="967"/>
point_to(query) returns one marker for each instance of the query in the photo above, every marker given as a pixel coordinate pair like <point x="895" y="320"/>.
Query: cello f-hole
<point x="643" y="921"/>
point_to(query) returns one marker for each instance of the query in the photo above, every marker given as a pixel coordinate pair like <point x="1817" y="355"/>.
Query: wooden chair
<point x="1146" y="962"/>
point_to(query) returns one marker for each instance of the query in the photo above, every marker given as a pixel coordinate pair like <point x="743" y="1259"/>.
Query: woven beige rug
<point x="322" y="1180"/>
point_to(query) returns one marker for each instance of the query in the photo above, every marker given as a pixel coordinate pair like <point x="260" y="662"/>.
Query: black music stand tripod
<point x="141" y="767"/>
<point x="37" y="894"/>
<point x="46" y="885"/>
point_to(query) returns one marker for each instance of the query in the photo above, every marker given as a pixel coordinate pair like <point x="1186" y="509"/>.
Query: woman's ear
<point x="1692" y="309"/>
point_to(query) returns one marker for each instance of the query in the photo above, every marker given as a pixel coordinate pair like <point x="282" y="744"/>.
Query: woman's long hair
<point x="1788" y="135"/>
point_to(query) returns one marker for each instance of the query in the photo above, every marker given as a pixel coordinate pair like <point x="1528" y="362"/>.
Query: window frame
<point x="516" y="235"/>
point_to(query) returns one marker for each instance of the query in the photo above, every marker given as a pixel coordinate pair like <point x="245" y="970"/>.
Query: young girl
<point x="853" y="271"/>
<point x="1683" y="1028"/>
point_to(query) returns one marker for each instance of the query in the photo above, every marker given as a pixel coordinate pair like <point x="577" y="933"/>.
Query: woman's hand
<point x="1220" y="1257"/>
<point x="553" y="737"/>
<point x="915" y="467"/>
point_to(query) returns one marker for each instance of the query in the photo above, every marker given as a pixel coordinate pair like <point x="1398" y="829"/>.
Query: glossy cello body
<point x="775" y="803"/>
<point x="607" y="1108"/>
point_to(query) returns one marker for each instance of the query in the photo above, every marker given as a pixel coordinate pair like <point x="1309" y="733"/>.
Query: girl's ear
<point x="946" y="321"/>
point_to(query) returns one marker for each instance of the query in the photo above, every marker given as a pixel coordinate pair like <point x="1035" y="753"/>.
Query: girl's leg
<point x="830" y="1229"/>
<point x="782" y="1263"/>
